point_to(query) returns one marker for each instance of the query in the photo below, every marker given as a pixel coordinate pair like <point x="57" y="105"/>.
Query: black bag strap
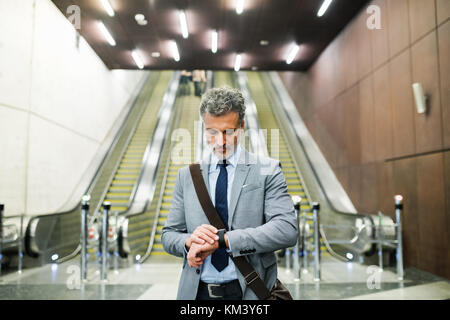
<point x="251" y="277"/>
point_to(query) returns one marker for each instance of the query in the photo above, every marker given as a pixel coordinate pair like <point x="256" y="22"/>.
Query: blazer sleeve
<point x="280" y="229"/>
<point x="174" y="232"/>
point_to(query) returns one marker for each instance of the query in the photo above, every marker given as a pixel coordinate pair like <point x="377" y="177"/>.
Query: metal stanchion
<point x="398" y="218"/>
<point x="2" y="207"/>
<point x="296" y="265"/>
<point x="304" y="246"/>
<point x="316" y="208"/>
<point x="83" y="237"/>
<point x="380" y="240"/>
<point x="20" y="251"/>
<point x="104" y="245"/>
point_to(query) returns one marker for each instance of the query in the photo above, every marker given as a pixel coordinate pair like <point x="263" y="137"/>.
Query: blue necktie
<point x="219" y="257"/>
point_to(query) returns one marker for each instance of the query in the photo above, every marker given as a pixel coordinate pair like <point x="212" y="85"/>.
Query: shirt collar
<point x="232" y="160"/>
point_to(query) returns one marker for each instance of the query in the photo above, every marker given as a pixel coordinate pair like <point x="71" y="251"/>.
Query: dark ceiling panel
<point x="280" y="22"/>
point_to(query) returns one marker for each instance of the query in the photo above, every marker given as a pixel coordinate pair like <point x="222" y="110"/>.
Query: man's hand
<point x="201" y="235"/>
<point x="198" y="253"/>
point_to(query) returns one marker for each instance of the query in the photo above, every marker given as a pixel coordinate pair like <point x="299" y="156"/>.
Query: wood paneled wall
<point x="358" y="104"/>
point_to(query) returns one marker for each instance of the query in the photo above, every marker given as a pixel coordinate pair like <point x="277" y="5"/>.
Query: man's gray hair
<point x="220" y="101"/>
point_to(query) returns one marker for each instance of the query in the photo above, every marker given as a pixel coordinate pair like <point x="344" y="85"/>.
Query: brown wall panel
<point x="398" y="26"/>
<point x="431" y="212"/>
<point x="380" y="40"/>
<point x="382" y="113"/>
<point x="367" y="123"/>
<point x="422" y="18"/>
<point x="383" y="154"/>
<point x="443" y="10"/>
<point x="402" y="103"/>
<point x="425" y="70"/>
<point x="405" y="183"/>
<point x="444" y="71"/>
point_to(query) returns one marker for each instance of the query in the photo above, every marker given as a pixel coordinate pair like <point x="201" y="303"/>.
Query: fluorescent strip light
<point x="237" y="63"/>
<point x="137" y="59"/>
<point x="107" y="7"/>
<point x="183" y="24"/>
<point x="240" y="6"/>
<point x="324" y="7"/>
<point x="292" y="53"/>
<point x="106" y="34"/>
<point x="214" y="37"/>
<point x="175" y="53"/>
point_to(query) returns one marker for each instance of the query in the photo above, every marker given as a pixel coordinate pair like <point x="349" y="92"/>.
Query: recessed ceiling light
<point x="240" y="6"/>
<point x="183" y="24"/>
<point x="175" y="53"/>
<point x="107" y="6"/>
<point x="324" y="7"/>
<point x="156" y="54"/>
<point x="137" y="59"/>
<point x="237" y="63"/>
<point x="264" y="42"/>
<point x="106" y="34"/>
<point x="140" y="19"/>
<point x="214" y="38"/>
<point x="292" y="53"/>
<point x="254" y="68"/>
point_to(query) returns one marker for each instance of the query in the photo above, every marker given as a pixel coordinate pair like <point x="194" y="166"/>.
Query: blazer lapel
<point x="240" y="175"/>
<point x="204" y="166"/>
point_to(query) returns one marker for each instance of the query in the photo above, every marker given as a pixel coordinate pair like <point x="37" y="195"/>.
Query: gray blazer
<point x="261" y="219"/>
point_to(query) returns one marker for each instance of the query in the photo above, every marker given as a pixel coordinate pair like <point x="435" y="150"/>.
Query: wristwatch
<point x="221" y="234"/>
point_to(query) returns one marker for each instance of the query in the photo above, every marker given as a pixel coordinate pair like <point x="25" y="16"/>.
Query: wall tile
<point x="405" y="183"/>
<point x="382" y="113"/>
<point x="443" y="10"/>
<point x="380" y="39"/>
<point x="367" y="120"/>
<point x="433" y="231"/>
<point x="402" y="103"/>
<point x="398" y="26"/>
<point x="425" y="70"/>
<point x="422" y="18"/>
<point x="444" y="71"/>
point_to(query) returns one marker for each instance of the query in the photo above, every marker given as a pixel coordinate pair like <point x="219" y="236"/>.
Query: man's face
<point x="222" y="133"/>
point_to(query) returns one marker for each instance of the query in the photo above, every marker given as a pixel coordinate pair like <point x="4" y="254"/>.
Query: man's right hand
<point x="202" y="234"/>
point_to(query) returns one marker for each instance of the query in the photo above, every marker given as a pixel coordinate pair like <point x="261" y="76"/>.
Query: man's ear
<point x="242" y="124"/>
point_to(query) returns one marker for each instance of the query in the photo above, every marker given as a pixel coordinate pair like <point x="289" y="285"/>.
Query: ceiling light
<point x="107" y="7"/>
<point x="183" y="24"/>
<point x="292" y="53"/>
<point x="137" y="59"/>
<point x="264" y="42"/>
<point x="175" y="53"/>
<point x="237" y="63"/>
<point x="240" y="6"/>
<point x="140" y="19"/>
<point x="156" y="54"/>
<point x="106" y="34"/>
<point x="324" y="7"/>
<point x="214" y="37"/>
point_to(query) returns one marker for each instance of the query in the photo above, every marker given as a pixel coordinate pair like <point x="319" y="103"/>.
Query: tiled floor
<point x="158" y="279"/>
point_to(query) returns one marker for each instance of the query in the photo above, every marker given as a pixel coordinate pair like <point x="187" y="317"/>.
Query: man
<point x="252" y="202"/>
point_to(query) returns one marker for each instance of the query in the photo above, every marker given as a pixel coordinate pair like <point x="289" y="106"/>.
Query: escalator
<point x="58" y="235"/>
<point x="346" y="233"/>
<point x="278" y="147"/>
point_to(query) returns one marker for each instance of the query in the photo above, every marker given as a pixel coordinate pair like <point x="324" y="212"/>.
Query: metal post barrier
<point x="304" y="246"/>
<point x="380" y="240"/>
<point x="2" y="207"/>
<point x="105" y="228"/>
<point x="316" y="208"/>
<point x="83" y="237"/>
<point x="398" y="219"/>
<point x="20" y="251"/>
<point x="296" y="265"/>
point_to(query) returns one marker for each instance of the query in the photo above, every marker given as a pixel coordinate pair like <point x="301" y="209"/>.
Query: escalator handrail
<point x="311" y="165"/>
